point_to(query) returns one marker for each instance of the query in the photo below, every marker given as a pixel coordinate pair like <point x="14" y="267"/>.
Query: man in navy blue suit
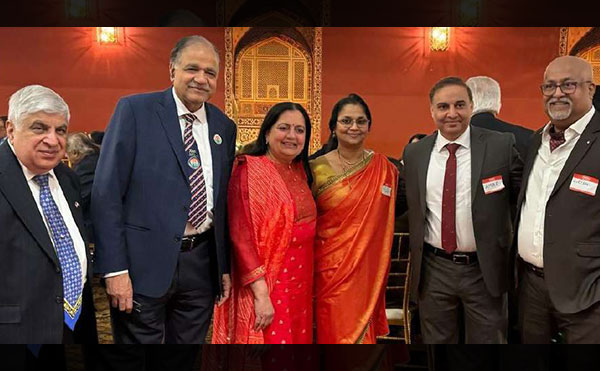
<point x="159" y="204"/>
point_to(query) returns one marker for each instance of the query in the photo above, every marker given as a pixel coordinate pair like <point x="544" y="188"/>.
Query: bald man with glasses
<point x="558" y="213"/>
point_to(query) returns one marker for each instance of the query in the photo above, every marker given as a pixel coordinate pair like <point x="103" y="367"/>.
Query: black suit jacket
<point x="85" y="170"/>
<point x="487" y="120"/>
<point x="571" y="225"/>
<point x="492" y="154"/>
<point x="31" y="293"/>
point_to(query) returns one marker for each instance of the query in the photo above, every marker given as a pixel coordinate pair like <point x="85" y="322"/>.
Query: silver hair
<point x="35" y="98"/>
<point x="190" y="40"/>
<point x="486" y="94"/>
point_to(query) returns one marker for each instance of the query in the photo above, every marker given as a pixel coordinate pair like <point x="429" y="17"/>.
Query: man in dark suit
<point x="159" y="204"/>
<point x="558" y="239"/>
<point x="460" y="182"/>
<point x="45" y="295"/>
<point x="486" y="106"/>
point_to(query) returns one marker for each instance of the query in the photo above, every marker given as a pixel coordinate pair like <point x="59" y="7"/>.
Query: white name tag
<point x="386" y="190"/>
<point x="584" y="184"/>
<point x="493" y="184"/>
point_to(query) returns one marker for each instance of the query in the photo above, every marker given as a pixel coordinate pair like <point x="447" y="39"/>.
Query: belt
<point x="532" y="268"/>
<point x="189" y="243"/>
<point x="462" y="258"/>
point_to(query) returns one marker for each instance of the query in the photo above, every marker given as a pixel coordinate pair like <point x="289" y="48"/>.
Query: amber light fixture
<point x="107" y="35"/>
<point x="439" y="38"/>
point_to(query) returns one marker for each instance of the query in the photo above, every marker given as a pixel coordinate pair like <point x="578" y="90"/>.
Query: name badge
<point x="584" y="183"/>
<point x="386" y="190"/>
<point x="493" y="184"/>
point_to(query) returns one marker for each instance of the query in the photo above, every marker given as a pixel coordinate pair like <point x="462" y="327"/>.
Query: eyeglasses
<point x="567" y="87"/>
<point x="360" y="122"/>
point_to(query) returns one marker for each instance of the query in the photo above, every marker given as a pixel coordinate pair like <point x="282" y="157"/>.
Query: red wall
<point x="90" y="77"/>
<point x="392" y="68"/>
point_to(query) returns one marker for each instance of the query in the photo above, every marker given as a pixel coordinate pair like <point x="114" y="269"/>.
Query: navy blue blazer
<point x="141" y="193"/>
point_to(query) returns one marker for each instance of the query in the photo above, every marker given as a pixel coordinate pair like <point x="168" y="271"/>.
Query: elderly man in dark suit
<point x="558" y="213"/>
<point x="460" y="182"/>
<point x="45" y="295"/>
<point x="159" y="204"/>
<point x="486" y="107"/>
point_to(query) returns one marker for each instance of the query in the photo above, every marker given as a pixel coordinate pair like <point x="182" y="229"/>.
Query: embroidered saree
<point x="355" y="227"/>
<point x="272" y="219"/>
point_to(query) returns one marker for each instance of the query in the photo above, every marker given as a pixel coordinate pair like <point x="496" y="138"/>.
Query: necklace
<point x="350" y="165"/>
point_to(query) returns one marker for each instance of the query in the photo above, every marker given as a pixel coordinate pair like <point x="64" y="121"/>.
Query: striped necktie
<point x="65" y="249"/>
<point x="197" y="213"/>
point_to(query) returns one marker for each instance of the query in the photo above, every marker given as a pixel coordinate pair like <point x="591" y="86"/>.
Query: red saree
<point x="272" y="223"/>
<point x="355" y="228"/>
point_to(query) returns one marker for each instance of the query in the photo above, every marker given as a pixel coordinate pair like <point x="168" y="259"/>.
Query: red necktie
<point x="449" y="201"/>
<point x="556" y="138"/>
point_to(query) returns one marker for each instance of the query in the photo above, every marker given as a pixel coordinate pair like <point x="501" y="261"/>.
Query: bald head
<point x="568" y="90"/>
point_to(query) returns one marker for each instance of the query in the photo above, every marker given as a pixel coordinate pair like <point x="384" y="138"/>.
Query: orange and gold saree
<point x="355" y="227"/>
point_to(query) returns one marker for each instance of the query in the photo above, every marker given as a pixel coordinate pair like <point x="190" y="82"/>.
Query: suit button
<point x="59" y="299"/>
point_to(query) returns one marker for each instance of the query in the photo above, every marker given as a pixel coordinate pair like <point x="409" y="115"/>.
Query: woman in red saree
<point x="272" y="219"/>
<point x="355" y="191"/>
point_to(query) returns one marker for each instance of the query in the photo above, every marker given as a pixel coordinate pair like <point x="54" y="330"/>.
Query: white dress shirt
<point x="465" y="236"/>
<point x="63" y="207"/>
<point x="544" y="174"/>
<point x="200" y="133"/>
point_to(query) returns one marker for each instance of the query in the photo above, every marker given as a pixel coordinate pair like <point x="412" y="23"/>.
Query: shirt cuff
<point x="114" y="274"/>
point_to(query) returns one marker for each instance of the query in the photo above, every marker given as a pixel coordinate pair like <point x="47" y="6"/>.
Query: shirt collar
<point x="577" y="127"/>
<point x="182" y="109"/>
<point x="464" y="140"/>
<point x="28" y="174"/>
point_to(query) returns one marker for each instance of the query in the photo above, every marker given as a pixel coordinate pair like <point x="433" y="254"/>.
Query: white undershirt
<point x="465" y="235"/>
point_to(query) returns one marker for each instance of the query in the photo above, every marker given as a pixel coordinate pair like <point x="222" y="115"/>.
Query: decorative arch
<point x="583" y="42"/>
<point x="265" y="66"/>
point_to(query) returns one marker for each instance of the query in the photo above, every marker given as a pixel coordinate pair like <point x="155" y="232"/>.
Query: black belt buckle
<point x="461" y="259"/>
<point x="188" y="243"/>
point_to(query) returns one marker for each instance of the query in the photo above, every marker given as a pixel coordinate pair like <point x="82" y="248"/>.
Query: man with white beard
<point x="558" y="213"/>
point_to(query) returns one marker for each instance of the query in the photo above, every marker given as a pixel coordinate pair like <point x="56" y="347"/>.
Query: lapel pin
<point x="588" y="142"/>
<point x="217" y="139"/>
<point x="76" y="204"/>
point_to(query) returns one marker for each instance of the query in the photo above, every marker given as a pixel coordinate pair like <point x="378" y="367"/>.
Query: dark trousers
<point x="539" y="320"/>
<point x="445" y="288"/>
<point x="182" y="315"/>
<point x="120" y="357"/>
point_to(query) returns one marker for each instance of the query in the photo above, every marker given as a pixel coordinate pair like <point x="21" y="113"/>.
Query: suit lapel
<point x="536" y="142"/>
<point x="14" y="186"/>
<point x="423" y="158"/>
<point x="477" y="157"/>
<point x="167" y="112"/>
<point x="215" y="138"/>
<point x="584" y="143"/>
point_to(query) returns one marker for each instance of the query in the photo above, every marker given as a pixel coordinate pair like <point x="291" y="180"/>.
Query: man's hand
<point x="226" y="282"/>
<point x="120" y="292"/>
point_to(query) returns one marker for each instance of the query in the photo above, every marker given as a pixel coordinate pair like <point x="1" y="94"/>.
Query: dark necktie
<point x="198" y="212"/>
<point x="449" y="201"/>
<point x="65" y="249"/>
<point x="556" y="138"/>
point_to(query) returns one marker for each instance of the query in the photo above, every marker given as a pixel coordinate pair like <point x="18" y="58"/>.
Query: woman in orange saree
<point x="272" y="225"/>
<point x="355" y="191"/>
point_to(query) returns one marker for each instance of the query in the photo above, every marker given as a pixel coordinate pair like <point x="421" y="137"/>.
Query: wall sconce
<point x="107" y="35"/>
<point x="439" y="38"/>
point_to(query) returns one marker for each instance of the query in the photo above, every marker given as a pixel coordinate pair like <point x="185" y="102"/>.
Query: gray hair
<point x="486" y="94"/>
<point x="190" y="40"/>
<point x="80" y="145"/>
<point x="35" y="98"/>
